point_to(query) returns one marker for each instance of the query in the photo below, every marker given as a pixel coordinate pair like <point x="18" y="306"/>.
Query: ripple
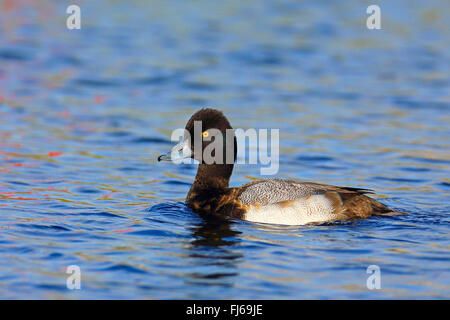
<point x="151" y="140"/>
<point x="124" y="268"/>
<point x="13" y="54"/>
<point x="100" y="214"/>
<point x="314" y="158"/>
<point x="87" y="190"/>
<point x="49" y="228"/>
<point x="156" y="233"/>
<point x="95" y="83"/>
<point x="405" y="180"/>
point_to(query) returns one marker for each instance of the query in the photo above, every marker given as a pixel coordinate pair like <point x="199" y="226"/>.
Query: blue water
<point x="84" y="113"/>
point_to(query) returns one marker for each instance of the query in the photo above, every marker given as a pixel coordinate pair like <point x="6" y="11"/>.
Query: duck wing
<point x="314" y="199"/>
<point x="276" y="190"/>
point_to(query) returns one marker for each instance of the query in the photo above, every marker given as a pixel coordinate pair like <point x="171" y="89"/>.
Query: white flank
<point x="316" y="208"/>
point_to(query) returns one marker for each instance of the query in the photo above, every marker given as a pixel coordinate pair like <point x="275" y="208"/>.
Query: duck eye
<point x="205" y="134"/>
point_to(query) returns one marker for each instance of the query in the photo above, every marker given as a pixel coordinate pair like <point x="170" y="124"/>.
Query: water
<point x="84" y="113"/>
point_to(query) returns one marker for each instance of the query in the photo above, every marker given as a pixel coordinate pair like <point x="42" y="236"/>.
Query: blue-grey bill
<point x="178" y="153"/>
<point x="165" y="157"/>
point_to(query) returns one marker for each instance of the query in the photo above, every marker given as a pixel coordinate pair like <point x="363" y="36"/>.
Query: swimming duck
<point x="276" y="201"/>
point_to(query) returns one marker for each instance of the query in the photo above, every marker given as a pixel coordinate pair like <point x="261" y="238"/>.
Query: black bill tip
<point x="165" y="157"/>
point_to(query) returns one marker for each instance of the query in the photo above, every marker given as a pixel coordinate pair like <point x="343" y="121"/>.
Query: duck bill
<point x="178" y="153"/>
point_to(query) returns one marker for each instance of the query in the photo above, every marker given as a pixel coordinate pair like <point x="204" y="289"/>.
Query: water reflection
<point x="214" y="232"/>
<point x="213" y="252"/>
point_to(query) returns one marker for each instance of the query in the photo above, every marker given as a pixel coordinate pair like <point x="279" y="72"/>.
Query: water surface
<point x="84" y="113"/>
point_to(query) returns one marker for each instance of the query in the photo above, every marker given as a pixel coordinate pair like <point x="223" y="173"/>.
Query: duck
<point x="272" y="201"/>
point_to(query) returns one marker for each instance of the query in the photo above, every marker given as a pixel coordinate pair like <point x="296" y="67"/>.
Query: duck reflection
<point x="214" y="253"/>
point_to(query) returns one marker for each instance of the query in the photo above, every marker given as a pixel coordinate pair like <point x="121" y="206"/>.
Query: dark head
<point x="208" y="138"/>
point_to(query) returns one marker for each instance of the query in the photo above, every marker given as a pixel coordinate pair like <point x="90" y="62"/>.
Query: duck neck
<point x="211" y="177"/>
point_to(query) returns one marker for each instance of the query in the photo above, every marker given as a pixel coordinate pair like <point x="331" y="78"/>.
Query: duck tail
<point x="393" y="213"/>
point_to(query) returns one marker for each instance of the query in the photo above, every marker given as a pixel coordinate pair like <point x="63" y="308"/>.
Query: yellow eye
<point x="205" y="134"/>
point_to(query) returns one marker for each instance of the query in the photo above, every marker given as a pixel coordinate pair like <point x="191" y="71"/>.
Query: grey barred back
<point x="276" y="190"/>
